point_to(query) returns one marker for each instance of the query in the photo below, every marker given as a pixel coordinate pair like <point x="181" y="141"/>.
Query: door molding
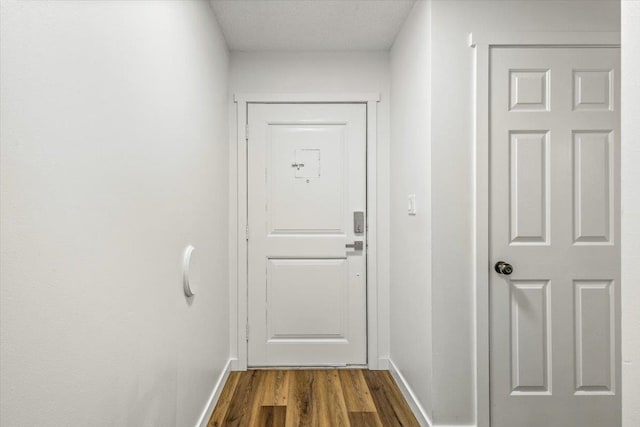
<point x="482" y="43"/>
<point x="238" y="192"/>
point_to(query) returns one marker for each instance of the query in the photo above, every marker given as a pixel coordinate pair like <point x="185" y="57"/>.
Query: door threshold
<point x="314" y="367"/>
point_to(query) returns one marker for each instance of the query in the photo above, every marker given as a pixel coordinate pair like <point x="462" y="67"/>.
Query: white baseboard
<point x="409" y="395"/>
<point x="215" y="395"/>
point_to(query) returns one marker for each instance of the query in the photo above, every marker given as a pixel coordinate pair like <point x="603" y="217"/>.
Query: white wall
<point x="327" y="72"/>
<point x="113" y="159"/>
<point x="630" y="213"/>
<point x="449" y="276"/>
<point x="411" y="303"/>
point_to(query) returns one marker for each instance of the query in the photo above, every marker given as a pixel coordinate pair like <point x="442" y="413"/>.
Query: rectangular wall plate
<point x="411" y="204"/>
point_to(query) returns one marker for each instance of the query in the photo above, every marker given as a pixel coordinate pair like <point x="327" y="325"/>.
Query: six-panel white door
<point x="307" y="290"/>
<point x="554" y="217"/>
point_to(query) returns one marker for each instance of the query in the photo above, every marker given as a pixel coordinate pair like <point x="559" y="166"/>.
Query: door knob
<point x="503" y="268"/>
<point x="358" y="245"/>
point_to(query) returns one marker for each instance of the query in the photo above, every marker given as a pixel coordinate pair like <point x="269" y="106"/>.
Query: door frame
<point x="238" y="200"/>
<point x="482" y="43"/>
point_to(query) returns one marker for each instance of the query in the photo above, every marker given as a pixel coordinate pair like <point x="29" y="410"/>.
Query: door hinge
<point x="246" y="132"/>
<point x="247" y="332"/>
<point x="246" y="233"/>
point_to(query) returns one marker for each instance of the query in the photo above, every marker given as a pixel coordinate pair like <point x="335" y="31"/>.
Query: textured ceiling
<point x="311" y="24"/>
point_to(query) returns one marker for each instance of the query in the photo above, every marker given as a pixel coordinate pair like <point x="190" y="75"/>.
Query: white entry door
<point x="555" y="180"/>
<point x="307" y="236"/>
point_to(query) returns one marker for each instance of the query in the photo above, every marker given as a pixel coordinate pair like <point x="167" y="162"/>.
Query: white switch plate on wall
<point x="411" y="204"/>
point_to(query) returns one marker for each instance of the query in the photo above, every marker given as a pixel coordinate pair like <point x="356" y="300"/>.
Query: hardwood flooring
<point x="331" y="398"/>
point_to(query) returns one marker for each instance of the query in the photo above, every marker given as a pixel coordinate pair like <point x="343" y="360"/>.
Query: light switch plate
<point x="411" y="204"/>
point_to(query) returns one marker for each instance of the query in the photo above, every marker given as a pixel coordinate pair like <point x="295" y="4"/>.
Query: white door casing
<point x="306" y="290"/>
<point x="554" y="203"/>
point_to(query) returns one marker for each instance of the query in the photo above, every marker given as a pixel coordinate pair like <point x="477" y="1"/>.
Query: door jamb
<point x="238" y="252"/>
<point x="482" y="43"/>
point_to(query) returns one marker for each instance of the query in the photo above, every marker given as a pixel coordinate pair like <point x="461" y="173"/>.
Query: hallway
<point x="330" y="397"/>
<point x="432" y="203"/>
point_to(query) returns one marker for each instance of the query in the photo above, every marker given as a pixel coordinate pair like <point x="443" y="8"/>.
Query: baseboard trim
<point x="409" y="395"/>
<point x="215" y="395"/>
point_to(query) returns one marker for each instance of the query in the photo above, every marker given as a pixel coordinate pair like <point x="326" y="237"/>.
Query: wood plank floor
<point x="331" y="398"/>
